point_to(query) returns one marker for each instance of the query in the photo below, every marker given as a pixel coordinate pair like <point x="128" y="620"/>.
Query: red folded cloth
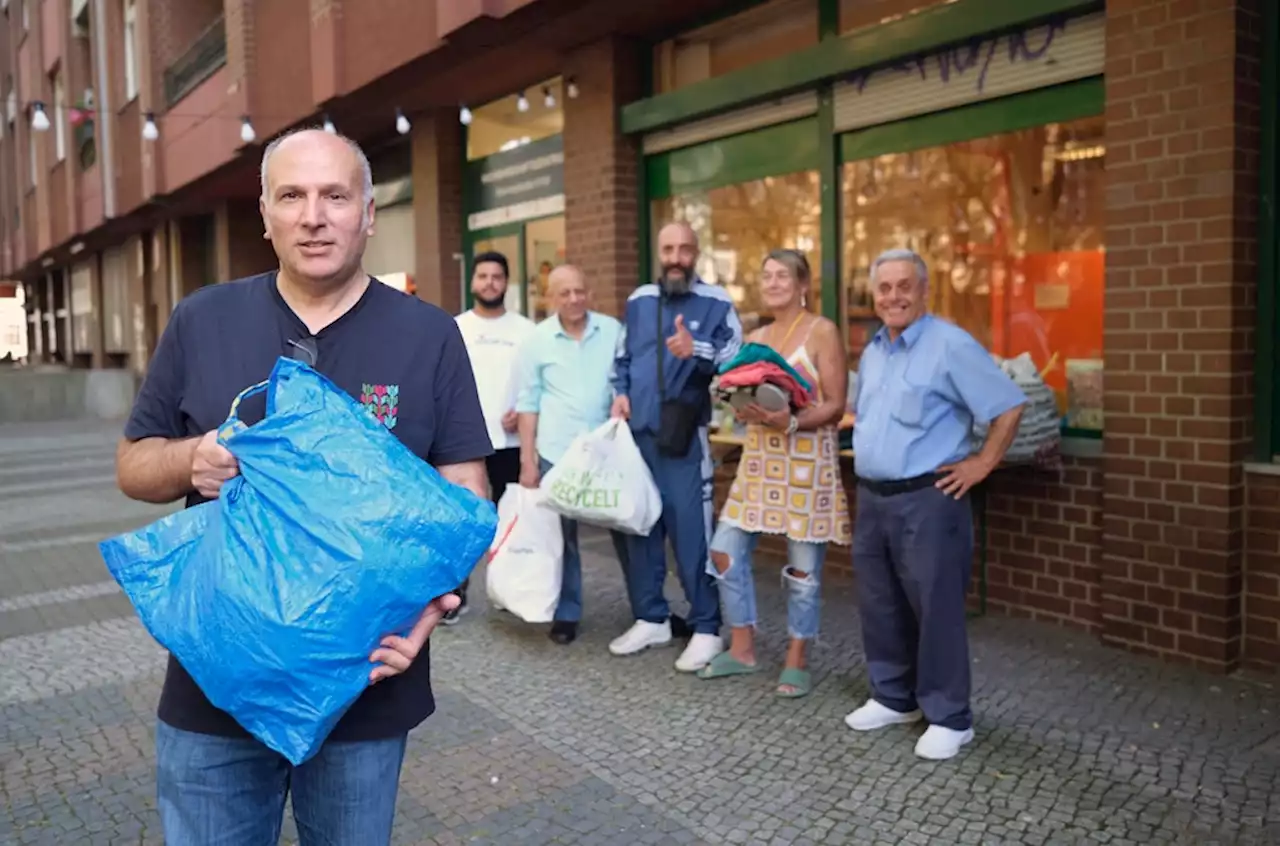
<point x="760" y="372"/>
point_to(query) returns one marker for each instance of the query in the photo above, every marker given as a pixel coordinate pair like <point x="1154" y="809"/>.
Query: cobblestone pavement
<point x="537" y="744"/>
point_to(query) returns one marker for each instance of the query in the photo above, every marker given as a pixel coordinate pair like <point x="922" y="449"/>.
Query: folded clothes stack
<point x="759" y="375"/>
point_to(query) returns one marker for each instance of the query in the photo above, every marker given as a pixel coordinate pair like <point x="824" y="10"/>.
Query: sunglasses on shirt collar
<point x="304" y="350"/>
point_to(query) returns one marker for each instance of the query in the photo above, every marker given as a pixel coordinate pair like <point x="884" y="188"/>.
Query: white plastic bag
<point x="603" y="480"/>
<point x="526" y="562"/>
<point x="1039" y="432"/>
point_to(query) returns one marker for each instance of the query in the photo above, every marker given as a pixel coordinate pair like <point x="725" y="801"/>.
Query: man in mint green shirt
<point x="564" y="392"/>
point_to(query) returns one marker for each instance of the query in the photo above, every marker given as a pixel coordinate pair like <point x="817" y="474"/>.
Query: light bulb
<point x="247" y="135"/>
<point x="39" y="120"/>
<point x="465" y="116"/>
<point x="572" y="90"/>
<point x="548" y="98"/>
<point x="522" y="102"/>
<point x="402" y="123"/>
<point x="150" y="131"/>
<point x="329" y="127"/>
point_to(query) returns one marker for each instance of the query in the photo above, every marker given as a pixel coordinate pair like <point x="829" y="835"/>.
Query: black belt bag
<point x="677" y="424"/>
<point x="677" y="421"/>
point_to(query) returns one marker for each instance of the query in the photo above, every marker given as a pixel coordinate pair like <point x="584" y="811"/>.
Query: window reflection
<point x="859" y="14"/>
<point x="763" y="32"/>
<point x="515" y="120"/>
<point x="1012" y="229"/>
<point x="737" y="225"/>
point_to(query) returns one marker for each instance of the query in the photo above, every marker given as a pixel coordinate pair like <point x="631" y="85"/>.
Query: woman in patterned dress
<point x="788" y="481"/>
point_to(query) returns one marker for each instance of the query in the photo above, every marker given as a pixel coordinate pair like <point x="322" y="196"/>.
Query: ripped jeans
<point x="802" y="577"/>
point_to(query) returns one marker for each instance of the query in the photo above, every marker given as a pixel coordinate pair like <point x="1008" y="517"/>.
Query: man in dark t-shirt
<point x="403" y="359"/>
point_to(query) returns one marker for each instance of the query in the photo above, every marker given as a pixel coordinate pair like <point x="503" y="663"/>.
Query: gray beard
<point x="675" y="287"/>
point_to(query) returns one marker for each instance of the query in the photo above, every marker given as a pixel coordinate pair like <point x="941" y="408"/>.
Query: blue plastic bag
<point x="333" y="536"/>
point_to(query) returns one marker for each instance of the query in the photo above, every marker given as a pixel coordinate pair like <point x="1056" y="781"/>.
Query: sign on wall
<point x="983" y="68"/>
<point x="515" y="185"/>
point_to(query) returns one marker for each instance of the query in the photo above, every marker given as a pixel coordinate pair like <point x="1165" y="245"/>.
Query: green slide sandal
<point x="799" y="681"/>
<point x="725" y="665"/>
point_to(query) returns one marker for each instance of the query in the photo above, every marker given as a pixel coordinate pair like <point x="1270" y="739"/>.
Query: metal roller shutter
<point x="982" y="69"/>
<point x="758" y="116"/>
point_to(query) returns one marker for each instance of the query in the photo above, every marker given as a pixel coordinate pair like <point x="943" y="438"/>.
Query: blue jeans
<point x="802" y="577"/>
<point x="569" y="608"/>
<point x="228" y="791"/>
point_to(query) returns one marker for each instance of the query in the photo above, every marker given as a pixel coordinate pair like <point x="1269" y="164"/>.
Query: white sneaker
<point x="873" y="715"/>
<point x="641" y="636"/>
<point x="698" y="654"/>
<point x="939" y="744"/>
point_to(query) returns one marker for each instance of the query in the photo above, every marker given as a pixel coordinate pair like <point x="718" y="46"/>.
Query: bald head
<point x="317" y="142"/>
<point x="678" y="231"/>
<point x="678" y="254"/>
<point x="570" y="298"/>
<point x="317" y="206"/>
<point x="565" y="274"/>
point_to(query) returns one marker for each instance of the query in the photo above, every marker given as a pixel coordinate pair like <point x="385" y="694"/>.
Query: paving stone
<point x="1076" y="744"/>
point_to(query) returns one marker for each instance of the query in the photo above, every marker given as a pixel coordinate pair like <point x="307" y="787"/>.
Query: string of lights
<point x="151" y="129"/>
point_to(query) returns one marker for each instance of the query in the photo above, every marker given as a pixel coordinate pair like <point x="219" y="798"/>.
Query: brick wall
<point x="1043" y="541"/>
<point x="1262" y="571"/>
<point x="1181" y="175"/>
<point x="437" y="207"/>
<point x="602" y="171"/>
<point x="172" y="28"/>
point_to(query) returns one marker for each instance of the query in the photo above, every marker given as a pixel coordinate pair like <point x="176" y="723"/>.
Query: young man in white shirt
<point x="494" y="337"/>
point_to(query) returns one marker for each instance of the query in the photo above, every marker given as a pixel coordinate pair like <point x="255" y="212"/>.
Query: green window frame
<point x="812" y="143"/>
<point x="771" y="151"/>
<point x="1055" y="104"/>
<point x="1058" y="103"/>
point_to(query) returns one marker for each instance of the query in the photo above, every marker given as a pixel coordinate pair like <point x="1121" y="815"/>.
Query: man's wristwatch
<point x="793" y="425"/>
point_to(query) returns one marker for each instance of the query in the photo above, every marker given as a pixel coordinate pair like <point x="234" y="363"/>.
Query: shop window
<point x="763" y="32"/>
<point x="1011" y="227"/>
<point x="544" y="242"/>
<point x="524" y="117"/>
<point x="532" y="249"/>
<point x="860" y="14"/>
<point x="737" y="226"/>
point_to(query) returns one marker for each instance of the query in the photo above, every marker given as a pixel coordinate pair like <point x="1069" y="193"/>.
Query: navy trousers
<point x="913" y="556"/>
<point x="685" y="484"/>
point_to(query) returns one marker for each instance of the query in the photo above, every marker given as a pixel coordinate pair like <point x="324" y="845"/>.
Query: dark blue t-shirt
<point x="403" y="356"/>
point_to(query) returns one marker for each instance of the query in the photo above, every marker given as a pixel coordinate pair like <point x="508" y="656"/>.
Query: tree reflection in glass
<point x="1011" y="227"/>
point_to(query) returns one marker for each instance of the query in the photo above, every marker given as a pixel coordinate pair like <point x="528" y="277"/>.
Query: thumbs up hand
<point x="681" y="343"/>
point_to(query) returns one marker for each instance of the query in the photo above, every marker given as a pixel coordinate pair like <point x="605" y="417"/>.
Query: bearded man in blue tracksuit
<point x="676" y="334"/>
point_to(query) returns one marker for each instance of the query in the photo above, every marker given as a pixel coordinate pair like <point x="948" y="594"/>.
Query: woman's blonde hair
<point x="798" y="265"/>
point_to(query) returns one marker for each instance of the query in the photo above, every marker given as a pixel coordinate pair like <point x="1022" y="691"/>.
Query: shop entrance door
<point x="532" y="249"/>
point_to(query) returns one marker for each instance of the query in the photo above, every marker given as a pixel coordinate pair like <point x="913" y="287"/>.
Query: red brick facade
<point x="1262" y="571"/>
<point x="1182" y="173"/>
<point x="602" y="174"/>
<point x="1163" y="543"/>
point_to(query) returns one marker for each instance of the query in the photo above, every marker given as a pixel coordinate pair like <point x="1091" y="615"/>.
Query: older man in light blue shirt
<point x="565" y="391"/>
<point x="922" y="383"/>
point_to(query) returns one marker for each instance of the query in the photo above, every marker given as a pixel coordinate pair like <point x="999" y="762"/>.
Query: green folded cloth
<point x="753" y="353"/>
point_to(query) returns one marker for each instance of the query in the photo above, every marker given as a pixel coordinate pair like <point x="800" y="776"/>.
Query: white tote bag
<point x="526" y="561"/>
<point x="603" y="480"/>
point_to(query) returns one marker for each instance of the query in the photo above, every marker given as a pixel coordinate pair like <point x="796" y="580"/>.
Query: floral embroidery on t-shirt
<point x="382" y="402"/>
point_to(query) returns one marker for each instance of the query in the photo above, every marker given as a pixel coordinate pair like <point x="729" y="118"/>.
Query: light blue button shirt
<point x="566" y="381"/>
<point x="918" y="397"/>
